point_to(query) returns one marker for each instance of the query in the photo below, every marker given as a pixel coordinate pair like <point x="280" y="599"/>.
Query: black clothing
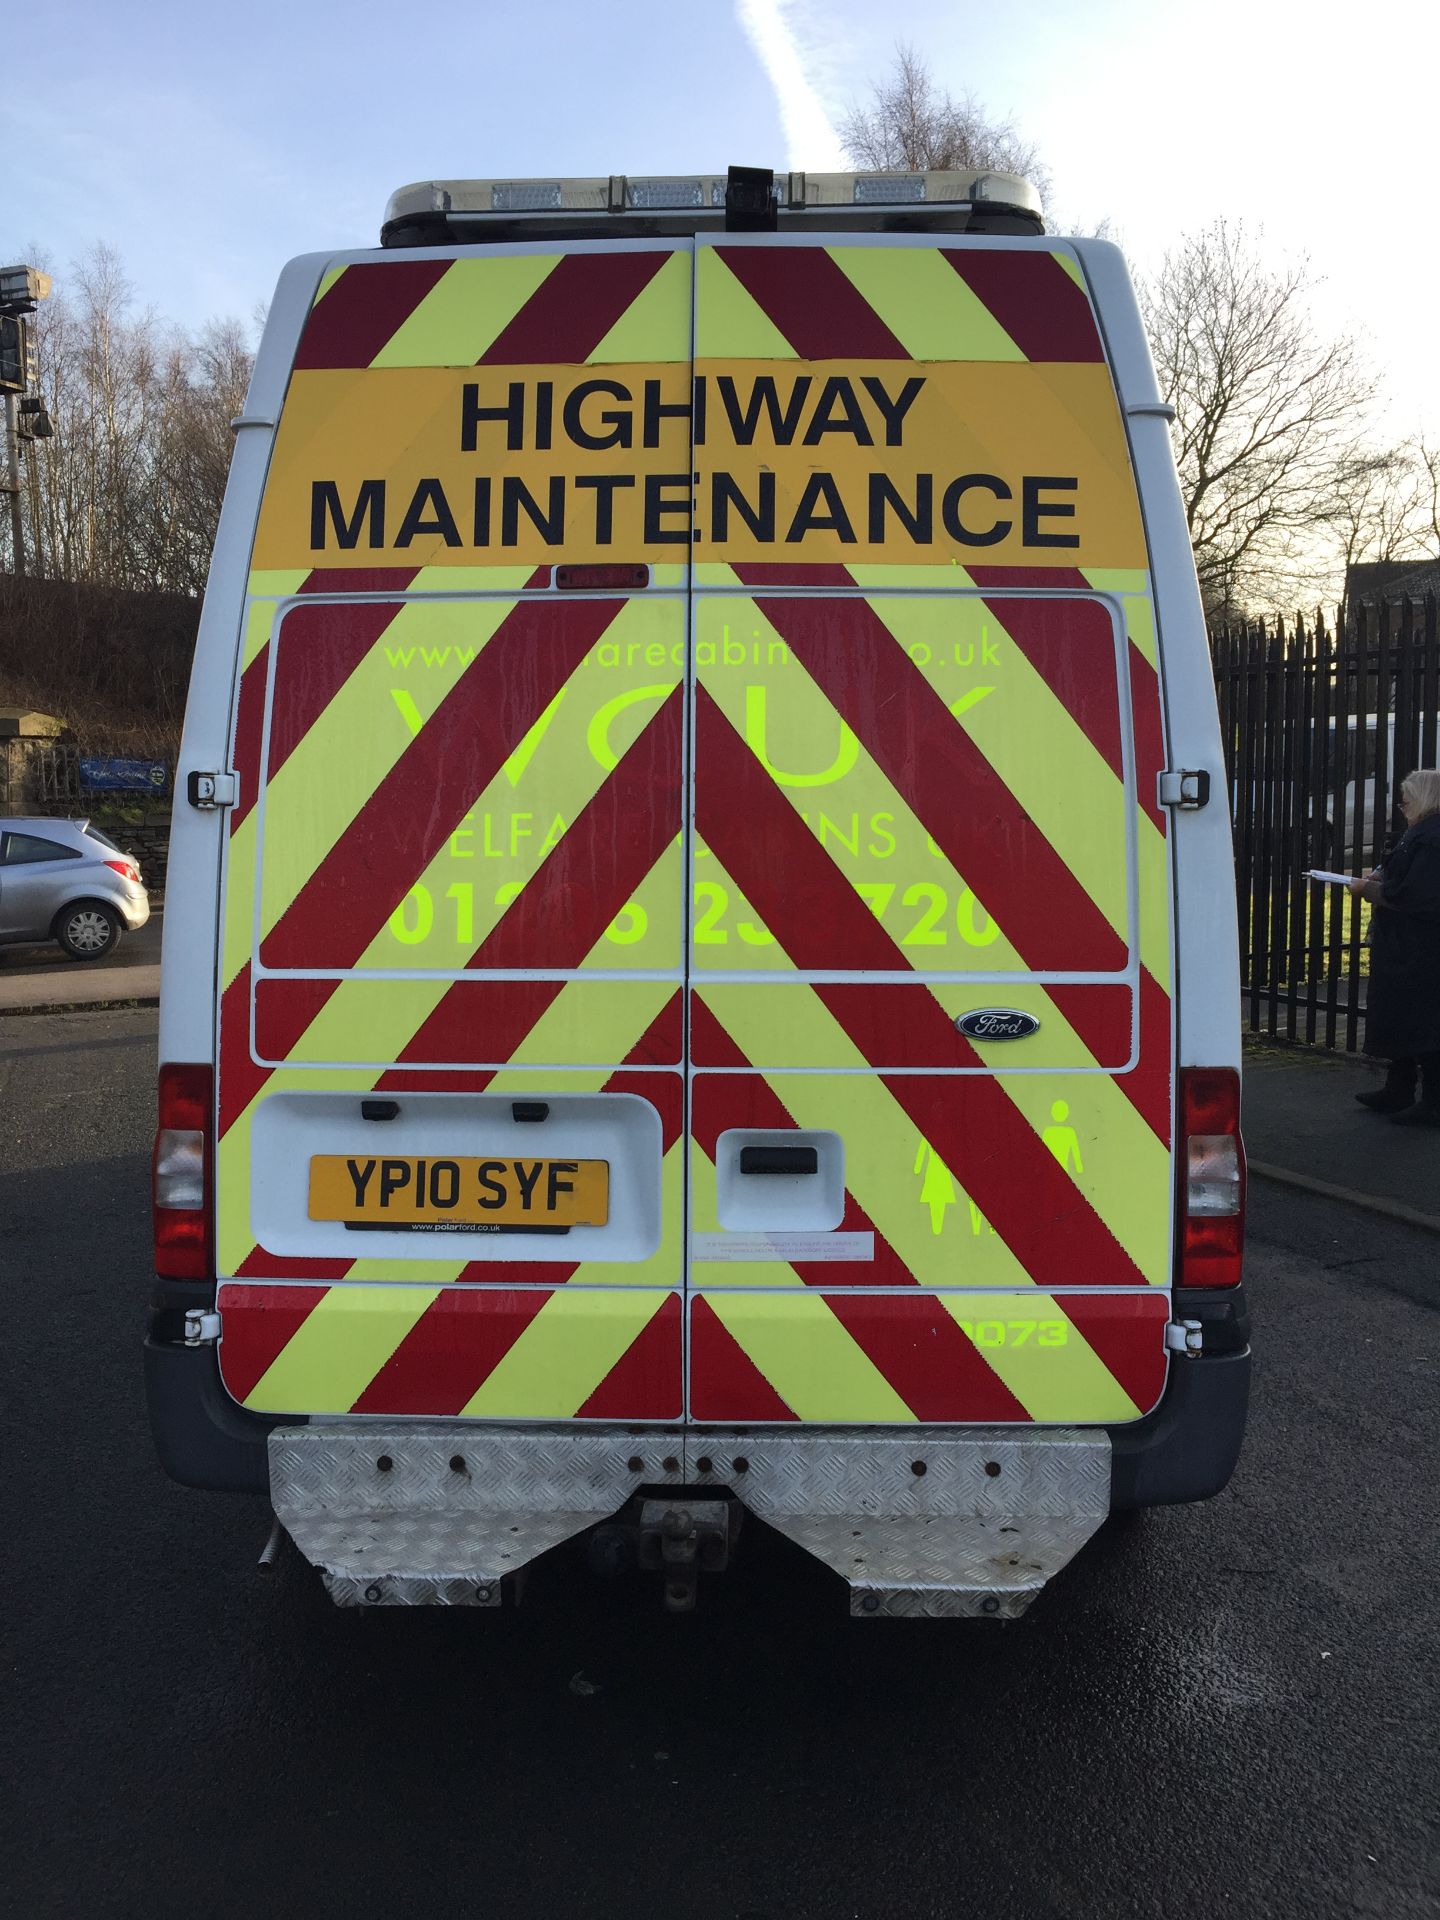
<point x="1403" y="1003"/>
<point x="1398" y="1092"/>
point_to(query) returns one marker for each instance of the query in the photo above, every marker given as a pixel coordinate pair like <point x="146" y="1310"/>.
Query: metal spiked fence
<point x="1321" y="723"/>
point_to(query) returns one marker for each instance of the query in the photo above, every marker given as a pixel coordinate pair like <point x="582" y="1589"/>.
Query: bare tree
<point x="1269" y="413"/>
<point x="1378" y="506"/>
<point x="1427" y="459"/>
<point x="912" y="125"/>
<point x="127" y="492"/>
<point x="204" y="388"/>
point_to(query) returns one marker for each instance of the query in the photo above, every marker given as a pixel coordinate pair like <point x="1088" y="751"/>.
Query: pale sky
<point x="209" y="144"/>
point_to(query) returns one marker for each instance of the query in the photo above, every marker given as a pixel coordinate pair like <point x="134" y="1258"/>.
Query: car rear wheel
<point x="88" y="930"/>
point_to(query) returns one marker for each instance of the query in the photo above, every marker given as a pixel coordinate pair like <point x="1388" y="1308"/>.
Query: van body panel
<point x="712" y="869"/>
<point x="1206" y="939"/>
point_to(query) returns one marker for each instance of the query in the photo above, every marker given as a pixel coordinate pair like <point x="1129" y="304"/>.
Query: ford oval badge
<point x="997" y="1023"/>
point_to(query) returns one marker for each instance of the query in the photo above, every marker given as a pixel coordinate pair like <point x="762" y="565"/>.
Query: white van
<point x="700" y="975"/>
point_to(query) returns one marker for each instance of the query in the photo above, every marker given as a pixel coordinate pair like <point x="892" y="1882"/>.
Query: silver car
<point x="63" y="880"/>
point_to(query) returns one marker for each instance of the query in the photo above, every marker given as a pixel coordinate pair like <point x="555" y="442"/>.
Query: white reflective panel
<point x="873" y="189"/>
<point x="524" y="196"/>
<point x="665" y="193"/>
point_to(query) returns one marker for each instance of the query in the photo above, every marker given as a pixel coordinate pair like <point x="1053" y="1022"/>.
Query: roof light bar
<point x="439" y="209"/>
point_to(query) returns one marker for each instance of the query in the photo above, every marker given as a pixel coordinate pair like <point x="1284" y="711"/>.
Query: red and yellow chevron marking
<point x="499" y="693"/>
<point x="896" y="723"/>
<point x="853" y="1359"/>
<point x="528" y="309"/>
<point x="877" y="405"/>
<point x="565" y="703"/>
<point x="906" y="805"/>
<point x="762" y="302"/>
<point x="511" y="1340"/>
<point x="817" y="1341"/>
<point x="892" y="303"/>
<point x="739" y="1023"/>
<point x="480" y="1353"/>
<point x="900" y="775"/>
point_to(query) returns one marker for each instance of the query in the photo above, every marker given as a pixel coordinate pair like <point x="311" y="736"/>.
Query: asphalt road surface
<point x="1228" y="1708"/>
<point x="39" y="976"/>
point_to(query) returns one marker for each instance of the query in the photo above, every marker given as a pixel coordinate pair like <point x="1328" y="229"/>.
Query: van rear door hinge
<point x="1185" y="1336"/>
<point x="202" y="1327"/>
<point x="1187" y="787"/>
<point x="207" y="790"/>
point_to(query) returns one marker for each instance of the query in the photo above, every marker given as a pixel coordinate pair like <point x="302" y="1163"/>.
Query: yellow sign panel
<point x="458" y="1195"/>
<point x="923" y="462"/>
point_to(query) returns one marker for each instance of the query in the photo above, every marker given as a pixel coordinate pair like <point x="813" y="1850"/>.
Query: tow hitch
<point x="679" y="1538"/>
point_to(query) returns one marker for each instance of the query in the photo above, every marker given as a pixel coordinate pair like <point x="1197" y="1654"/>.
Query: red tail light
<point x="124" y="867"/>
<point x="181" y="1173"/>
<point x="1212" y="1177"/>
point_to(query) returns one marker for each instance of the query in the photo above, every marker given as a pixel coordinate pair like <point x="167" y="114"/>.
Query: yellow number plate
<point x="454" y="1194"/>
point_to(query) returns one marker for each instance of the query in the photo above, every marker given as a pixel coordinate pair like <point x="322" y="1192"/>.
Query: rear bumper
<point x="130" y="904"/>
<point x="202" y="1438"/>
<point x="1185" y="1450"/>
<point x="933" y="1523"/>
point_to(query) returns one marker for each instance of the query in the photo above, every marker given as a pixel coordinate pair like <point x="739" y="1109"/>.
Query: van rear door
<point x="930" y="948"/>
<point x="450" y="1170"/>
<point x="732" y="985"/>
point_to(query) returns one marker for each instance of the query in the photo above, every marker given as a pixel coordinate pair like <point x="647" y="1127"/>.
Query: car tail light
<point x="1212" y="1176"/>
<point x="181" y="1173"/>
<point x="125" y="867"/>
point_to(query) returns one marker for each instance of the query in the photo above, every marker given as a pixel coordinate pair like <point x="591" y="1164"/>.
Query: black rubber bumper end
<point x="202" y="1437"/>
<point x="1187" y="1448"/>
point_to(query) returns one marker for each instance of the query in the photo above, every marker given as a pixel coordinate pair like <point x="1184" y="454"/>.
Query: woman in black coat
<point x="1402" y="1014"/>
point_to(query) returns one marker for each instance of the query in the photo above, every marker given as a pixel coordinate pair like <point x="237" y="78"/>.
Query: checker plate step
<point x="929" y="1523"/>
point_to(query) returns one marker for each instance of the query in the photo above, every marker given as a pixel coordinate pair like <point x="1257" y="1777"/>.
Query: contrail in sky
<point x="810" y="139"/>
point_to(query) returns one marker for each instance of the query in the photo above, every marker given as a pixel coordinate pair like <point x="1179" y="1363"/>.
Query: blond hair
<point x="1420" y="793"/>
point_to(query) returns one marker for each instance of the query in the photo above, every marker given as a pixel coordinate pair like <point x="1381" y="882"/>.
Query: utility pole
<point x="32" y="481"/>
<point x="12" y="487"/>
<point x="21" y="288"/>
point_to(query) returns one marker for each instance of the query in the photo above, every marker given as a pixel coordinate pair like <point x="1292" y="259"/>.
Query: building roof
<point x="1390" y="580"/>
<point x="23" y="723"/>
